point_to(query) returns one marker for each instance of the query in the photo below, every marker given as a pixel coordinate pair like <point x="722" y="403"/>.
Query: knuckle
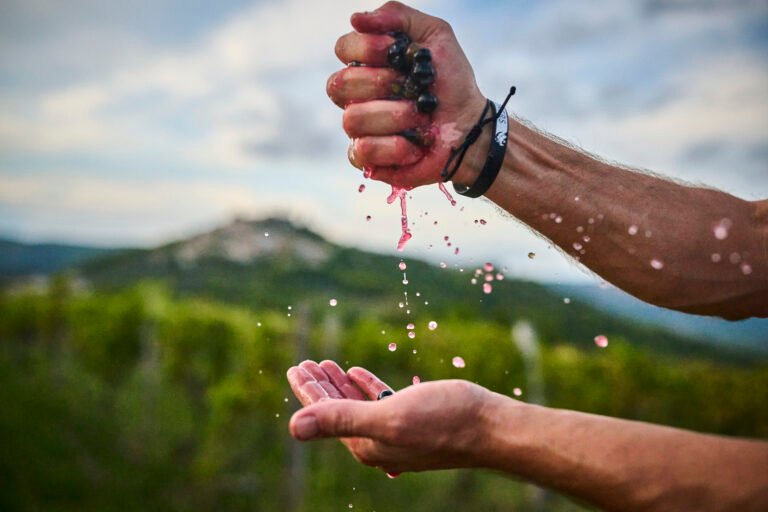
<point x="350" y="123"/>
<point x="340" y="47"/>
<point x="352" y="155"/>
<point x="341" y="423"/>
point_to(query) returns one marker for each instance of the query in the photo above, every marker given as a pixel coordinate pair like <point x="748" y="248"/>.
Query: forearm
<point x="661" y="241"/>
<point x="625" y="465"/>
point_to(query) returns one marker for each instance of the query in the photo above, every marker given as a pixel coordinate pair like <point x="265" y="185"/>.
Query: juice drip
<point x="406" y="233"/>
<point x="444" y="190"/>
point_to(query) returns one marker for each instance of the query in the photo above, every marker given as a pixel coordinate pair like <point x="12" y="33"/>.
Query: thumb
<point x="336" y="418"/>
<point x="394" y="17"/>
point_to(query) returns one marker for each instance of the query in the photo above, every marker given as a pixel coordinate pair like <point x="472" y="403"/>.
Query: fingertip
<point x="303" y="426"/>
<point x="384" y="19"/>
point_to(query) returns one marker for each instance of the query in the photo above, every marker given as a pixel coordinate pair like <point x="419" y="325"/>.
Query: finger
<point x="368" y="382"/>
<point x="337" y="418"/>
<point x="356" y="84"/>
<point x="305" y="387"/>
<point x="382" y="117"/>
<point x="341" y="381"/>
<point x="321" y="377"/>
<point x="395" y="17"/>
<point x="370" y="49"/>
<point x="422" y="173"/>
<point x="385" y="151"/>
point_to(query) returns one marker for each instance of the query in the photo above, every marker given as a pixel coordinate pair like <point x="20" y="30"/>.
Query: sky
<point x="135" y="123"/>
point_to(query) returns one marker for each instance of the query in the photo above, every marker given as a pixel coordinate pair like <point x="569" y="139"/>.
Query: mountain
<point x="751" y="334"/>
<point x="19" y="259"/>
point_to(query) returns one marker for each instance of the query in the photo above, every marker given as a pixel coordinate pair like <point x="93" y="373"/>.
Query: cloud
<point x="185" y="115"/>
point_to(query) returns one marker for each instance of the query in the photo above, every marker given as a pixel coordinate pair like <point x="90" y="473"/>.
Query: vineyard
<point x="139" y="399"/>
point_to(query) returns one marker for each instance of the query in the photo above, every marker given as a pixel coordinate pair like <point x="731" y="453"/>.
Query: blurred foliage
<point x="139" y="400"/>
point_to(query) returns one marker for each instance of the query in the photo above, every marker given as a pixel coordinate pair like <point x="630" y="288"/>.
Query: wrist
<point x="504" y="422"/>
<point x="476" y="154"/>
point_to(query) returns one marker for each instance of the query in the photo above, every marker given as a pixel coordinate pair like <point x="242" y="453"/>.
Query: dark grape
<point x="396" y="56"/>
<point x="422" y="55"/>
<point x="426" y="103"/>
<point x="423" y="73"/>
<point x="411" y="88"/>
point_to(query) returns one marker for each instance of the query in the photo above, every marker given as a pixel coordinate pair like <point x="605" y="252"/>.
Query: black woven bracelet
<point x="459" y="153"/>
<point x="496" y="153"/>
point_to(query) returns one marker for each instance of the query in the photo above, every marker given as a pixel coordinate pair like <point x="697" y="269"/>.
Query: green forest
<point x="142" y="398"/>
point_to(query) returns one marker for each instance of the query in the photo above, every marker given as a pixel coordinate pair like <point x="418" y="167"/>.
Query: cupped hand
<point x="373" y="119"/>
<point x="432" y="425"/>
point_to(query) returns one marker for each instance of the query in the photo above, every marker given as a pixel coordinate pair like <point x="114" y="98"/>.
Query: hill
<point x="20" y="259"/>
<point x="272" y="264"/>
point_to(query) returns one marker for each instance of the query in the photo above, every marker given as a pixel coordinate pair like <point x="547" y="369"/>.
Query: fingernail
<point x="305" y="427"/>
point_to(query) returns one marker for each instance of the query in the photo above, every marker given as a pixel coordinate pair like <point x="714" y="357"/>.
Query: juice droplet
<point x="734" y="257"/>
<point x="368" y="218"/>
<point x="443" y="264"/>
<point x="721" y="228"/>
<point x="393" y="475"/>
<point x="446" y="238"/>
<point x="531" y="255"/>
<point x="266" y="234"/>
<point x="488" y="267"/>
<point x="448" y="195"/>
<point x="458" y="362"/>
<point x="517" y="392"/>
<point x="558" y="219"/>
<point x="601" y="341"/>
<point x="716" y="258"/>
<point x="483" y="222"/>
<point x="367" y="172"/>
<point x="746" y="269"/>
<point x="456" y="251"/>
<point x="399" y="193"/>
<point x="410" y="327"/>
<point x="402" y="265"/>
<point x="657" y="264"/>
<point x="333" y="302"/>
<point x="361" y="188"/>
<point x="392" y="347"/>
<point x="487" y="288"/>
<point x="499" y="276"/>
<point x="632" y="230"/>
<point x="405" y="281"/>
<point x="577" y="246"/>
<point x="432" y="325"/>
<point x="488" y="278"/>
<point x="473" y="281"/>
<point x="416" y="380"/>
<point x="566" y="300"/>
<point x="411" y="334"/>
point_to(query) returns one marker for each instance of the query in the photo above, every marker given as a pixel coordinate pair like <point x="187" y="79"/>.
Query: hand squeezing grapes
<point x="400" y="62"/>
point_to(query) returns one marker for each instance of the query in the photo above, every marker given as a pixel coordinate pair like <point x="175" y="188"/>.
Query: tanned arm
<point x="611" y="463"/>
<point x="687" y="248"/>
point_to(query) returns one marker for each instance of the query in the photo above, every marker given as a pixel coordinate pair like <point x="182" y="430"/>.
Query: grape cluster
<point x="416" y="63"/>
